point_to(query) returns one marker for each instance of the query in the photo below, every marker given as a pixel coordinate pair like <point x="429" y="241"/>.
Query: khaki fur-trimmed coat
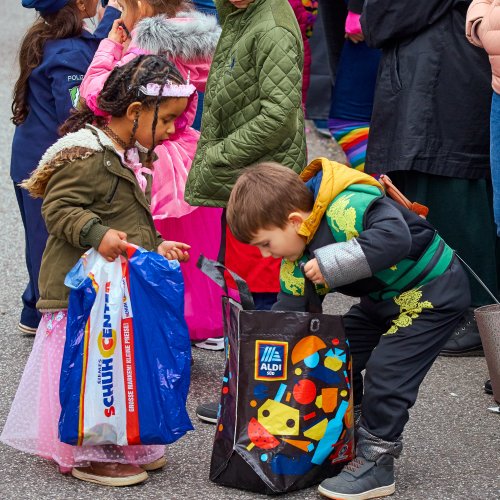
<point x="86" y="190"/>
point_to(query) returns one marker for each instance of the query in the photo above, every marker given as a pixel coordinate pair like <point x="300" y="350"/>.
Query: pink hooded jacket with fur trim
<point x="189" y="41"/>
<point x="483" y="30"/>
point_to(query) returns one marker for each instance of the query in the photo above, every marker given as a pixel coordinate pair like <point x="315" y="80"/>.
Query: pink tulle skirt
<point x="32" y="424"/>
<point x="201" y="230"/>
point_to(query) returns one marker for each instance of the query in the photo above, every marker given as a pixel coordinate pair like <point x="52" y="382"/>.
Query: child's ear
<point x="133" y="110"/>
<point x="296" y="218"/>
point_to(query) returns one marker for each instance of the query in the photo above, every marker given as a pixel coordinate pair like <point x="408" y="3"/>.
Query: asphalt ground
<point x="451" y="443"/>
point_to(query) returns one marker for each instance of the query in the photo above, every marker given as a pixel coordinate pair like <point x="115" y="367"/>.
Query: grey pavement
<point x="452" y="442"/>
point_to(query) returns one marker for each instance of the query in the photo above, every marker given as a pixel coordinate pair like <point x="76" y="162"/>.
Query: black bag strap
<point x="313" y="302"/>
<point x="215" y="271"/>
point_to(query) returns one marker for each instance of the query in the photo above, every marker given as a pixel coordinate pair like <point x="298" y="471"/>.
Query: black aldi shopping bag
<point x="286" y="414"/>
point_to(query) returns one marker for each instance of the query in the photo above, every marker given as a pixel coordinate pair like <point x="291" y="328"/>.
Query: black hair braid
<point x="131" y="141"/>
<point x="155" y="117"/>
<point x="121" y="89"/>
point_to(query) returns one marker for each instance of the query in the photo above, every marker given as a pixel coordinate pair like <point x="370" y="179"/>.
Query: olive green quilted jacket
<point x="253" y="103"/>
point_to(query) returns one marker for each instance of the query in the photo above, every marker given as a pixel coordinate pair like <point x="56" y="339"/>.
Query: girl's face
<point x="131" y="13"/>
<point x="90" y="8"/>
<point x="168" y="111"/>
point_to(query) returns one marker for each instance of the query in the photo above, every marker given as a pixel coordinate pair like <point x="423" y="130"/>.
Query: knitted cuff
<point x="92" y="236"/>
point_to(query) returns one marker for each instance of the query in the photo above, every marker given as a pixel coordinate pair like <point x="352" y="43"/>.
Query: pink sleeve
<point x="107" y="56"/>
<point x="475" y="14"/>
<point x="352" y="24"/>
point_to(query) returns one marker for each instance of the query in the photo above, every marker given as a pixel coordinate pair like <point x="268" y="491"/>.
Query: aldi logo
<point x="271" y="360"/>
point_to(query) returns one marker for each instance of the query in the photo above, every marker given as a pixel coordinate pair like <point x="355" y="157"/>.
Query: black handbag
<point x="286" y="414"/>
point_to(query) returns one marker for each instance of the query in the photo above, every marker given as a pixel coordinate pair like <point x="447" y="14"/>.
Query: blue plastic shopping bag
<point x="126" y="366"/>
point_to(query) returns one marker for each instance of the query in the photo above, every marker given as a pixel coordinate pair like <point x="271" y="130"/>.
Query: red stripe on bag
<point x="127" y="333"/>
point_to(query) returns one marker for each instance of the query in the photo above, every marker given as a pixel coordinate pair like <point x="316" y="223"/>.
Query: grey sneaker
<point x="208" y="412"/>
<point x="361" y="479"/>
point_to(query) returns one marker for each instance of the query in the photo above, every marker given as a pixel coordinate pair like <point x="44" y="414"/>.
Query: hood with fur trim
<point x="71" y="147"/>
<point x="190" y="36"/>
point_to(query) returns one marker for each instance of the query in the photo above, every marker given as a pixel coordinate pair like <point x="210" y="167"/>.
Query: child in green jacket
<point x="252" y="112"/>
<point x="337" y="225"/>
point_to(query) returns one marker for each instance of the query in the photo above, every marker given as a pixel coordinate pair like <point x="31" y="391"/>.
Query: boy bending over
<point x="356" y="241"/>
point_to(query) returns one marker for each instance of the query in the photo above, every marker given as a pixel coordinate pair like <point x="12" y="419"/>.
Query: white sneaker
<point x="212" y="344"/>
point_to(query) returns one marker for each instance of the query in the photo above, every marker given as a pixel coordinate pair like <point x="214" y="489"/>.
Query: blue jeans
<point x="495" y="156"/>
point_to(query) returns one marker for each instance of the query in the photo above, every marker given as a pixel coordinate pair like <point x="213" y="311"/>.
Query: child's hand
<point x="355" y="38"/>
<point x="312" y="272"/>
<point x="173" y="250"/>
<point x="113" y="244"/>
<point x="117" y="33"/>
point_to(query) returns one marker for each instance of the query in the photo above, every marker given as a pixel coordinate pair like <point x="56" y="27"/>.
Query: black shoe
<point x="488" y="389"/>
<point x="208" y="412"/>
<point x="361" y="479"/>
<point x="465" y="340"/>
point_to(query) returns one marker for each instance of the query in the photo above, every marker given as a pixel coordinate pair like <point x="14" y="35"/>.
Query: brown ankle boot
<point x="110" y="474"/>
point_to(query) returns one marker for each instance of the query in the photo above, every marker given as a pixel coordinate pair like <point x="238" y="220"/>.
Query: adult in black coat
<point x="430" y="130"/>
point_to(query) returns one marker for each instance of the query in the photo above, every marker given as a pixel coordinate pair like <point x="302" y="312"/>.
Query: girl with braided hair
<point x="95" y="184"/>
<point x="188" y="38"/>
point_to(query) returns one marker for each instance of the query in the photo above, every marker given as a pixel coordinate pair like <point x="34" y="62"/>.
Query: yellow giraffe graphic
<point x="343" y="218"/>
<point x="409" y="307"/>
<point x="293" y="283"/>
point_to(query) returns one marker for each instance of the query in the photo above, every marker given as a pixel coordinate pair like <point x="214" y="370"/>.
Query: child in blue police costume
<point x="349" y="237"/>
<point x="54" y="56"/>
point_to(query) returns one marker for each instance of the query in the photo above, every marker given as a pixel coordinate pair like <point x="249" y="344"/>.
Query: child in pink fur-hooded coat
<point x="188" y="40"/>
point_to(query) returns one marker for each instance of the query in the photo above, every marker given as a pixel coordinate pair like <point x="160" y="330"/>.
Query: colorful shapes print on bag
<point x="312" y="360"/>
<point x="304" y="391"/>
<point x="293" y="466"/>
<point x="306" y="347"/>
<point x="261" y="391"/>
<point x="326" y="375"/>
<point x="329" y="399"/>
<point x="260" y="437"/>
<point x="279" y="419"/>
<point x="332" y="434"/>
<point x="317" y="431"/>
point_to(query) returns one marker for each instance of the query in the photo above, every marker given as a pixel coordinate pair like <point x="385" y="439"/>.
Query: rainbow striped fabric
<point x="352" y="136"/>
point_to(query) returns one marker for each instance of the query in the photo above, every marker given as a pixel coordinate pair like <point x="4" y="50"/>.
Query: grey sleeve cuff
<point x="92" y="234"/>
<point x="342" y="263"/>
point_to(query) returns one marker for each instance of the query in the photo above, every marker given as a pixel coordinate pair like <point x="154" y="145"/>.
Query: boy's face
<point x="283" y="243"/>
<point x="241" y="4"/>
